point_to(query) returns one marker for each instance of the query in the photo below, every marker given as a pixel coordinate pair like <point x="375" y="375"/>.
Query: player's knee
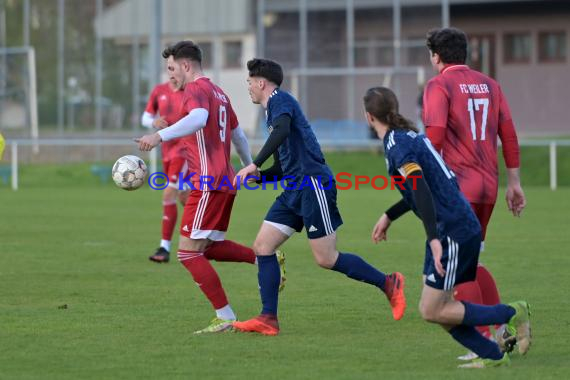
<point x="169" y="194"/>
<point x="184" y="243"/>
<point x="325" y="261"/>
<point x="261" y="248"/>
<point x="428" y="312"/>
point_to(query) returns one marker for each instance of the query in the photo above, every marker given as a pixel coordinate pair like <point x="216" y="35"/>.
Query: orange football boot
<point x="264" y="324"/>
<point x="394" y="290"/>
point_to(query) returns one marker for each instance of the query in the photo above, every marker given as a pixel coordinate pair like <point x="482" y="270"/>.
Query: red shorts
<point x="173" y="168"/>
<point x="483" y="212"/>
<point x="207" y="215"/>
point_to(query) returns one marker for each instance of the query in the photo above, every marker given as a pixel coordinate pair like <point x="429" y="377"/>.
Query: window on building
<point x="517" y="47"/>
<point x="416" y="51"/>
<point x="207" y="58"/>
<point x="552" y="47"/>
<point x="232" y="54"/>
<point x="373" y="52"/>
<point x="481" y="53"/>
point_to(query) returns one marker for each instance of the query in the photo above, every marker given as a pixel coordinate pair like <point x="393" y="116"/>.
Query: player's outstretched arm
<point x="274" y="173"/>
<point x="188" y="125"/>
<point x="281" y="130"/>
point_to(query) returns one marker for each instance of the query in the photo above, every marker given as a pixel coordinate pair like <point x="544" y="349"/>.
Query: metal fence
<point x="326" y="144"/>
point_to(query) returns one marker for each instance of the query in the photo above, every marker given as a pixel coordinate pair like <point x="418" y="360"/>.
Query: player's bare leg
<point x="460" y="319"/>
<point x="438" y="306"/>
<point x="327" y="256"/>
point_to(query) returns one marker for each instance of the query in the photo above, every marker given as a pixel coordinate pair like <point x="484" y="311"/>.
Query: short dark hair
<point x="449" y="43"/>
<point x="267" y="69"/>
<point x="184" y="49"/>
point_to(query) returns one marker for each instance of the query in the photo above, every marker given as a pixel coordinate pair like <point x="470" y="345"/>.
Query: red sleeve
<point x="436" y="105"/>
<point x="511" y="151"/>
<point x="195" y="97"/>
<point x="152" y="104"/>
<point x="234" y="123"/>
<point x="504" y="110"/>
<point x="437" y="136"/>
<point x="507" y="134"/>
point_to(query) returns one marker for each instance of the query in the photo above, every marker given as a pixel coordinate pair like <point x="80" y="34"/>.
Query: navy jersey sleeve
<point x="281" y="105"/>
<point x="401" y="151"/>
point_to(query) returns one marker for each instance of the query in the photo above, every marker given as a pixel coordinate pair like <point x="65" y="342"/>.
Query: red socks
<point x="228" y="250"/>
<point x="169" y="215"/>
<point x="203" y="272"/>
<point x="470" y="292"/>
<point x="205" y="276"/>
<point x="482" y="291"/>
<point x="489" y="291"/>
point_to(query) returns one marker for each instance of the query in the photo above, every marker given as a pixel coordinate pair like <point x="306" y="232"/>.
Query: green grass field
<point x="79" y="298"/>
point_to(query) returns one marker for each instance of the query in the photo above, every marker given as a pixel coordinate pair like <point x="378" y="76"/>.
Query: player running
<point x="164" y="108"/>
<point x="453" y="234"/>
<point x="298" y="157"/>
<point x="464" y="113"/>
<point x="207" y="131"/>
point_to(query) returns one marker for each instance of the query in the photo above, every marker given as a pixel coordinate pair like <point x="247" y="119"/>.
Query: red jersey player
<point x="164" y="108"/>
<point x="208" y="131"/>
<point x="464" y="113"/>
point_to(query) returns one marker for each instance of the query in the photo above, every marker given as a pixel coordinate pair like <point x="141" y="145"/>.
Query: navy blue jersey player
<point x="453" y="234"/>
<point x="311" y="203"/>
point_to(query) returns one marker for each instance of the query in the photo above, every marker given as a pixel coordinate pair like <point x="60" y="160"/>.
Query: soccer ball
<point x="129" y="172"/>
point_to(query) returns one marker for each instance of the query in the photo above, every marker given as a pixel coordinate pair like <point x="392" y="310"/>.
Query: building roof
<point x="293" y="5"/>
<point x="179" y="17"/>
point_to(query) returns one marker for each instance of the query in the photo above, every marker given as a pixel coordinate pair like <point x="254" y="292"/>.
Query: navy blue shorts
<point x="459" y="261"/>
<point x="313" y="207"/>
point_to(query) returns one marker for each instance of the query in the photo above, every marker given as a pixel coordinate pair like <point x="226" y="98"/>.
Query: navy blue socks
<point x="356" y="268"/>
<point x="269" y="278"/>
<point x="469" y="337"/>
<point x="482" y="315"/>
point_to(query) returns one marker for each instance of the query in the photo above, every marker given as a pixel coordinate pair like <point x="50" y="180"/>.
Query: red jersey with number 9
<point x="208" y="150"/>
<point x="470" y="106"/>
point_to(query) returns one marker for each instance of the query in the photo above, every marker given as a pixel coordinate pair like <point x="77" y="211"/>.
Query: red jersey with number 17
<point x="167" y="103"/>
<point x="470" y="106"/>
<point x="208" y="150"/>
